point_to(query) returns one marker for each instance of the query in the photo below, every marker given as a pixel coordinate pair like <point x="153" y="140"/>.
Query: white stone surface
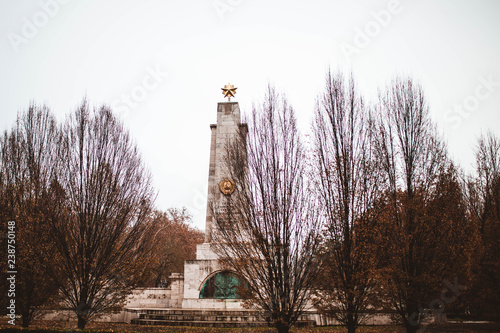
<point x="153" y="298"/>
<point x="227" y="127"/>
<point x="216" y="304"/>
<point x="204" y="252"/>
<point x="196" y="272"/>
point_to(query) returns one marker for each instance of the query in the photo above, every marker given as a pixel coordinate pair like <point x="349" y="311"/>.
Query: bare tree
<point x="411" y="157"/>
<point x="267" y="230"/>
<point x="414" y="161"/>
<point x="488" y="174"/>
<point x="27" y="165"/>
<point x="484" y="207"/>
<point x="347" y="185"/>
<point x="103" y="227"/>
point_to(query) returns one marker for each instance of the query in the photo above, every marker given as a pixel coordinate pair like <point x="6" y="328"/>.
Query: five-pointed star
<point x="228" y="91"/>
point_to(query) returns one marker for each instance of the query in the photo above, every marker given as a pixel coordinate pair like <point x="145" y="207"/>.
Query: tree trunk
<point x="351" y="322"/>
<point x="26" y="321"/>
<point x="412" y="328"/>
<point x="81" y="322"/>
<point x="412" y="325"/>
<point x="282" y="328"/>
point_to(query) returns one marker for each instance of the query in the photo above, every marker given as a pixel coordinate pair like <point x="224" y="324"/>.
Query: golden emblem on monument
<point x="229" y="91"/>
<point x="227" y="186"/>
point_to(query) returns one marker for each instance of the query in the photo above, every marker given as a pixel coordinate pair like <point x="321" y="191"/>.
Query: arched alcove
<point x="222" y="285"/>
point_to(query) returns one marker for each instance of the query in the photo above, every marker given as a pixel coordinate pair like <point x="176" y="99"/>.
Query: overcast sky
<point x="161" y="65"/>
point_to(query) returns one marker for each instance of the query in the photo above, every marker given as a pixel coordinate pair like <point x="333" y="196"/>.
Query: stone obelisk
<point x="197" y="272"/>
<point x="227" y="127"/>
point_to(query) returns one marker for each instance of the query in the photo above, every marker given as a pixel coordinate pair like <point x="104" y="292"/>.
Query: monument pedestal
<point x="196" y="273"/>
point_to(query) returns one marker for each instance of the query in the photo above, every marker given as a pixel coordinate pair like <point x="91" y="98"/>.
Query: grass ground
<point x="97" y="327"/>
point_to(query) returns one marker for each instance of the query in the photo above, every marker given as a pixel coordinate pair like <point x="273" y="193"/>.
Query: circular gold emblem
<point x="227" y="186"/>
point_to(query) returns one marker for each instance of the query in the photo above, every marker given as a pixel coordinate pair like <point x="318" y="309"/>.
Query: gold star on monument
<point x="228" y="91"/>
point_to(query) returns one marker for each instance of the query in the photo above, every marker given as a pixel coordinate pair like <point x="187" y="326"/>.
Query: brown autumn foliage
<point x="442" y="246"/>
<point x="174" y="242"/>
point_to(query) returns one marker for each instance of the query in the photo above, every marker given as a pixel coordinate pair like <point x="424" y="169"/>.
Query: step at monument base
<point x="205" y="318"/>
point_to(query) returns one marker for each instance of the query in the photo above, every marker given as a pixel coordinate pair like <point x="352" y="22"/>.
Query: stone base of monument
<point x="184" y="302"/>
<point x="212" y="304"/>
<point x="194" y="307"/>
<point x="206" y="318"/>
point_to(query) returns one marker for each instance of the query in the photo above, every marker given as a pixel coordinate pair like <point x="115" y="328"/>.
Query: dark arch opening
<point x="223" y="285"/>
